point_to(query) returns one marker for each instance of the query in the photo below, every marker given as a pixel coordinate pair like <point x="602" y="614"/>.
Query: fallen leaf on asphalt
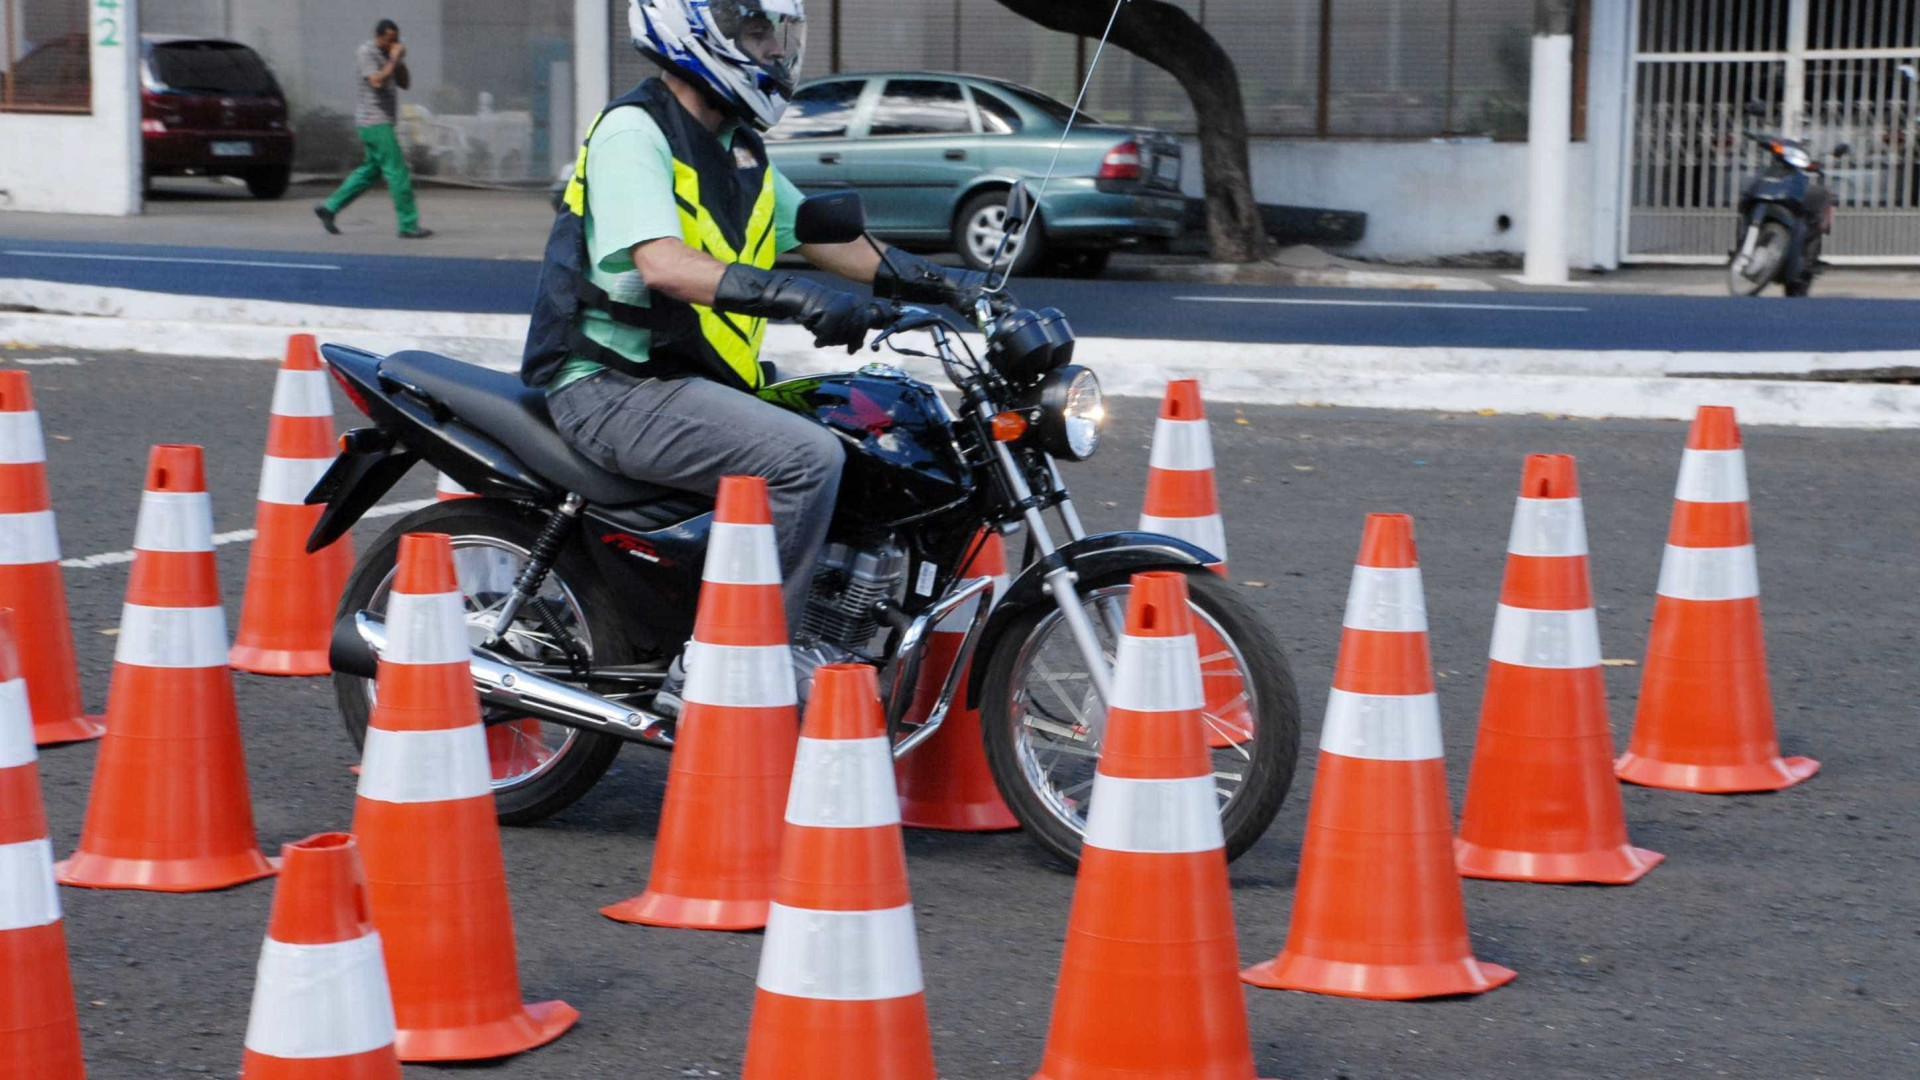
<point x="1303" y="468"/>
<point x="1254" y="584"/>
<point x="63" y="438"/>
<point x="1619" y="662"/>
<point x="1489" y="412"/>
<point x="111" y="631"/>
<point x="1242" y="420"/>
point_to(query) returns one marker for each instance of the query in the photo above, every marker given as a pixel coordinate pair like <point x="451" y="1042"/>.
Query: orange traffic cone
<point x="170" y="810"/>
<point x="321" y="1008"/>
<point x="717" y="852"/>
<point x="839" y="992"/>
<point x="446" y="489"/>
<point x="945" y="782"/>
<point x="1147" y="984"/>
<point x="1181" y="502"/>
<point x="1542" y="802"/>
<point x="30" y="581"/>
<point x="424" y="816"/>
<point x="1378" y="911"/>
<point x="39" y="1031"/>
<point x="286" y="618"/>
<point x="1705" y="720"/>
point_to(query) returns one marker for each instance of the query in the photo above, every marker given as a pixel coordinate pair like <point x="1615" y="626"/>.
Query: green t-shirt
<point x="630" y="201"/>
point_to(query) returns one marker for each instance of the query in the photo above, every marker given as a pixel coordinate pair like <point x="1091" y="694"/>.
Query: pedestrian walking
<point x="383" y="74"/>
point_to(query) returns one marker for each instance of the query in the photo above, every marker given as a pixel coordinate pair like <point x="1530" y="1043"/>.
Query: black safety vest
<point x="726" y="210"/>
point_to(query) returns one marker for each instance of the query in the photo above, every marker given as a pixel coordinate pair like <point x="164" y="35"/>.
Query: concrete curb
<point x="1275" y="274"/>
<point x="1767" y="388"/>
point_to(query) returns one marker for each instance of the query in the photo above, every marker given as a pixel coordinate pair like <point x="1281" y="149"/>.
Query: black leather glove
<point x="922" y="281"/>
<point x="835" y="317"/>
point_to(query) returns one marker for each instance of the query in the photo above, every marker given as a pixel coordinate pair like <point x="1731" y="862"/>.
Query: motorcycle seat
<point x="498" y="405"/>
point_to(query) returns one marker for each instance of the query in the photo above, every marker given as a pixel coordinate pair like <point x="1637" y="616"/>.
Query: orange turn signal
<point x="1009" y="426"/>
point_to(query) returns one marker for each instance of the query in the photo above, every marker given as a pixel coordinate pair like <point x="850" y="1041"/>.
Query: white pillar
<point x="1793" y="102"/>
<point x="1610" y="47"/>
<point x="116" y="103"/>
<point x="1549" y="133"/>
<point x="592" y="64"/>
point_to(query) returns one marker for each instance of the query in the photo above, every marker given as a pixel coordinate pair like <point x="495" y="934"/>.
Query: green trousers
<point x="383" y="159"/>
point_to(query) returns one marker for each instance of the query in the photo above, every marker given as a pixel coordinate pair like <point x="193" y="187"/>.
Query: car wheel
<point x="981" y="222"/>
<point x="271" y="182"/>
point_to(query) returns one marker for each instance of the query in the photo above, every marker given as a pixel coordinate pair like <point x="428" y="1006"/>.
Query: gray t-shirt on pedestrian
<point x="378" y="104"/>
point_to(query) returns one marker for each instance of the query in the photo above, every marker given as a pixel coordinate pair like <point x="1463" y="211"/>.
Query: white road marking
<point x="238" y="536"/>
<point x="47" y="361"/>
<point x="99" y="257"/>
<point x="1373" y="303"/>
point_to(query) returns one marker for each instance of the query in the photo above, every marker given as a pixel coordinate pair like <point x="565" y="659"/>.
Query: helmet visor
<point x="771" y="32"/>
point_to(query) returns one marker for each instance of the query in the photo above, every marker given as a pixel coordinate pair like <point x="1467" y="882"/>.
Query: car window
<point x="1059" y="110"/>
<point x="996" y="116"/>
<point x="821" y="111"/>
<point x="921" y="107"/>
<point x="213" y="67"/>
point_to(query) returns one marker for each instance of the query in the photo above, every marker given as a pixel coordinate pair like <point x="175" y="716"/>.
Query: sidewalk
<point x="485" y="224"/>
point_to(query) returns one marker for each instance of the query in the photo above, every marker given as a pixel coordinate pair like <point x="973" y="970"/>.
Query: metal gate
<point x="1828" y="71"/>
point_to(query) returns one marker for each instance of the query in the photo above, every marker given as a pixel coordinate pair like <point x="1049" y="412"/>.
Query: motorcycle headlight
<point x="1071" y="412"/>
<point x="1795" y="157"/>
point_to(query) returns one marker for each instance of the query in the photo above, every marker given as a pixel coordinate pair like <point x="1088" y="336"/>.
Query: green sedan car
<point x="933" y="155"/>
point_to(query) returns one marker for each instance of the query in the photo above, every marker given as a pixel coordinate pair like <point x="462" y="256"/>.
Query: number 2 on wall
<point x="108" y="23"/>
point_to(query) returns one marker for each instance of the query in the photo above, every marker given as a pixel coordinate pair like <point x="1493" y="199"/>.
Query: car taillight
<point x="153" y="125"/>
<point x="1121" y="163"/>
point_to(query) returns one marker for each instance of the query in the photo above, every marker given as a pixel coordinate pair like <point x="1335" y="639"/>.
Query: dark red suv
<point x="211" y="108"/>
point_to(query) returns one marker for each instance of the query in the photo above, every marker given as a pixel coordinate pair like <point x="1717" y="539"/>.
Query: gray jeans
<point x="688" y="433"/>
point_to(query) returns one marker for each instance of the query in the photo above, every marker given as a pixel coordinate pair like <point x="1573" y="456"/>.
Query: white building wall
<point x="82" y="164"/>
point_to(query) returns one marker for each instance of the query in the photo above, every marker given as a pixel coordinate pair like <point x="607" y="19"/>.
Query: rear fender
<point x="1100" y="555"/>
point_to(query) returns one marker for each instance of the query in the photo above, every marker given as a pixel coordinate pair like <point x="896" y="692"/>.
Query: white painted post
<point x="1549" y="135"/>
<point x="1793" y="101"/>
<point x="592" y="64"/>
<point x="1610" y="37"/>
<point x="116" y="104"/>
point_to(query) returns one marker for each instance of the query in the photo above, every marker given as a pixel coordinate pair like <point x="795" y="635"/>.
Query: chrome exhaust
<point x="356" y="649"/>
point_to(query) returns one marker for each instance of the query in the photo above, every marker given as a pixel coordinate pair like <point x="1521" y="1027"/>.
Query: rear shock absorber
<point x="546" y="549"/>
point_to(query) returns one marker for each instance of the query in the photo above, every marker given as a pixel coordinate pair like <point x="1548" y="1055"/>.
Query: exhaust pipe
<point x="358" y="642"/>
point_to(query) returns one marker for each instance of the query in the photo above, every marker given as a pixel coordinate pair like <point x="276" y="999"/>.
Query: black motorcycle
<point x="1786" y="212"/>
<point x="581" y="585"/>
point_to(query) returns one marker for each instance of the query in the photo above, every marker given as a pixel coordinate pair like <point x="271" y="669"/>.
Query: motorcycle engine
<point x="848" y="584"/>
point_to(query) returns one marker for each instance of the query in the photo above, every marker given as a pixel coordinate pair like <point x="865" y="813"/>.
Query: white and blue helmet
<point x="747" y="53"/>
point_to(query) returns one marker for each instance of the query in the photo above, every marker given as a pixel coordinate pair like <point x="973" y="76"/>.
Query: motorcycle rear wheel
<point x="540" y="768"/>
<point x="1042" y="756"/>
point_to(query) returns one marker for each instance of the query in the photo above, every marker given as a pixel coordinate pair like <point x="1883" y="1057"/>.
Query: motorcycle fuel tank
<point x="901" y="459"/>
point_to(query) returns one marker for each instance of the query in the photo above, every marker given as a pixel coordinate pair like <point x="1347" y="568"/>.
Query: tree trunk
<point x="1168" y="38"/>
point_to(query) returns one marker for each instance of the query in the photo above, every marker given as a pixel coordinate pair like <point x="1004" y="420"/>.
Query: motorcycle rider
<point x="659" y="279"/>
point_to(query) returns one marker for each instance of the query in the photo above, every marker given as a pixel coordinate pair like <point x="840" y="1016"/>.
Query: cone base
<point x="1714" y="779"/>
<point x="89" y="871"/>
<point x="73" y="729"/>
<point x="535" y="1025"/>
<point x="992" y="816"/>
<point x="279" y="661"/>
<point x="1377" y="982"/>
<point x="1623" y="865"/>
<point x="688" y="912"/>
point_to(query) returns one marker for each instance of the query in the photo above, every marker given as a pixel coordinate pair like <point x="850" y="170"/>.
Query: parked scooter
<point x="1786" y="212"/>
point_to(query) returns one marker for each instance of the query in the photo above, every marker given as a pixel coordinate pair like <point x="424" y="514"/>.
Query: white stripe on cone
<point x="1206" y="533"/>
<point x="302" y="393"/>
<point x="1382" y="727"/>
<point x="163" y="637"/>
<point x="286" y="481"/>
<point x="28" y="896"/>
<point x="840" y="955"/>
<point x="425" y="766"/>
<point x="1181" y="445"/>
<point x="427" y="628"/>
<point x="1157" y="674"/>
<point x="16" y="726"/>
<point x="843" y="784"/>
<point x="740" y="676"/>
<point x="20" y="439"/>
<point x="174" y="521"/>
<point x="1548" y="527"/>
<point x="1712" y="476"/>
<point x="1154" y="817"/>
<point x="1390" y="599"/>
<point x="28" y="539"/>
<point x="742" y="555"/>
<point x="321" y="1001"/>
<point x="1727" y="573"/>
<point x="1531" y="637"/>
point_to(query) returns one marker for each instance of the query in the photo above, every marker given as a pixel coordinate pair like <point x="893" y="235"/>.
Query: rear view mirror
<point x="1840" y="151"/>
<point x="1912" y="73"/>
<point x="835" y="217"/>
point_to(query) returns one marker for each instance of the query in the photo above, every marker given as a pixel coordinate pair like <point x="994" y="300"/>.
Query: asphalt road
<point x="1779" y="938"/>
<point x="1135" y="309"/>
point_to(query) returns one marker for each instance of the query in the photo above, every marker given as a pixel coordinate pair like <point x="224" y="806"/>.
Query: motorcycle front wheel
<point x="539" y="767"/>
<point x="1749" y="276"/>
<point x="1040" y="716"/>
